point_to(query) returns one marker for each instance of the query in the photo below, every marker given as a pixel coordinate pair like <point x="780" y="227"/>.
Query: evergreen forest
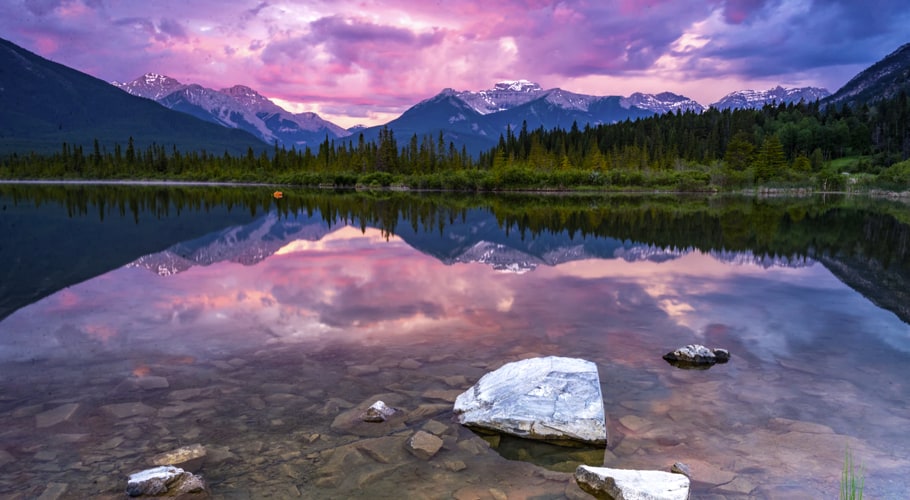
<point x="803" y="145"/>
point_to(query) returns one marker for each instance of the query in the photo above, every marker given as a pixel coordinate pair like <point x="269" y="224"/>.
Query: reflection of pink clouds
<point x="362" y="285"/>
<point x="67" y="299"/>
<point x="348" y="282"/>
<point x="104" y="333"/>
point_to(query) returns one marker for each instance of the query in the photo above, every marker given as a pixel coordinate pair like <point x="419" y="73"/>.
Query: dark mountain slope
<point x="883" y="80"/>
<point x="445" y="113"/>
<point x="44" y="104"/>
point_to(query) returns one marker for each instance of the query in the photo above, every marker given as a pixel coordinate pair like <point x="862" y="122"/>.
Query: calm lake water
<point x="136" y="320"/>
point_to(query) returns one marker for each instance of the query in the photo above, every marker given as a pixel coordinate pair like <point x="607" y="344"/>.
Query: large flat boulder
<point x="549" y="398"/>
<point x="628" y="484"/>
<point x="166" y="481"/>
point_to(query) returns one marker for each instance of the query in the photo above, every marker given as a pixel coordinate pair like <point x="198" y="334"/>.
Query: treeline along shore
<point x="832" y="148"/>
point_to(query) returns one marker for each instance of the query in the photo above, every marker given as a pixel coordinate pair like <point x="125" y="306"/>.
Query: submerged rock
<point x="626" y="484"/>
<point x="55" y="416"/>
<point x="354" y="419"/>
<point x="188" y="458"/>
<point x="424" y="445"/>
<point x="378" y="412"/>
<point x="548" y="398"/>
<point x="166" y="481"/>
<point x="696" y="356"/>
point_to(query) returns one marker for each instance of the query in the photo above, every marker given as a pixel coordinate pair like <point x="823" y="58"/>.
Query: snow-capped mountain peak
<point x="504" y="95"/>
<point x="755" y="99"/>
<point x="517" y="86"/>
<point x="235" y="107"/>
<point x="661" y="103"/>
<point x="151" y="86"/>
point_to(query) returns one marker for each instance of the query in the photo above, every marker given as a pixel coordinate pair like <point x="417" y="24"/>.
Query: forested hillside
<point x="787" y="145"/>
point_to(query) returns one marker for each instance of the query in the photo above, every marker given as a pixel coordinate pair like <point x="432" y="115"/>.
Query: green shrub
<point x="376" y="179"/>
<point x="897" y="174"/>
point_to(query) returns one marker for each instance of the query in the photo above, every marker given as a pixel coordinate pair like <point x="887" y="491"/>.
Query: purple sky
<point x="367" y="61"/>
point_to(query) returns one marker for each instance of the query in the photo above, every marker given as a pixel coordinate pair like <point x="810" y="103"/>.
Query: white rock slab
<point x="627" y="484"/>
<point x="548" y="398"/>
<point x="152" y="481"/>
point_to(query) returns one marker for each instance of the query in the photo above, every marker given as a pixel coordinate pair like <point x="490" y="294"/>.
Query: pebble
<point x="424" y="445"/>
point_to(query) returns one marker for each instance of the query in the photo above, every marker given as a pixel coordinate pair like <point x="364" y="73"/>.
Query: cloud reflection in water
<point x="365" y="287"/>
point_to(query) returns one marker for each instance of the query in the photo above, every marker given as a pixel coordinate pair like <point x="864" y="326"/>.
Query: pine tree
<point x="771" y="161"/>
<point x="739" y="153"/>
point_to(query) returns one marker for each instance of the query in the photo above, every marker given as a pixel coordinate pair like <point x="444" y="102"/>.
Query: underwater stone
<point x="378" y="412"/>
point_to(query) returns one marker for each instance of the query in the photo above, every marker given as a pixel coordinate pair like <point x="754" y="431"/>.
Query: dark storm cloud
<point x="171" y="28"/>
<point x="42" y="7"/>
<point x="789" y="37"/>
<point x="376" y="57"/>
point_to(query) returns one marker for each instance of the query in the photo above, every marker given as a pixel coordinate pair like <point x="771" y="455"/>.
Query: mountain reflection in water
<point x="256" y="339"/>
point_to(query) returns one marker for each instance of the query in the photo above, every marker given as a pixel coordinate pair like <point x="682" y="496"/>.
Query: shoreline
<point x="760" y="192"/>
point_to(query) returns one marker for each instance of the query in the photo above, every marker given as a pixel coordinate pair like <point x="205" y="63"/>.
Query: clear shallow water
<point x="265" y="355"/>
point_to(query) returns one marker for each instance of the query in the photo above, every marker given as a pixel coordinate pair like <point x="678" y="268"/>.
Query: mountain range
<point x="477" y="237"/>
<point x="43" y="104"/>
<point x="752" y="99"/>
<point x="237" y="107"/>
<point x="474" y="119"/>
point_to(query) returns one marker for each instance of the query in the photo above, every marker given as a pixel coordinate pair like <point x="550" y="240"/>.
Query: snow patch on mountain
<point x="570" y="100"/>
<point x="756" y="99"/>
<point x="517" y="86"/>
<point x="504" y="95"/>
<point x="223" y="107"/>
<point x="236" y="107"/>
<point x="661" y="103"/>
<point x="151" y="86"/>
<point x="509" y="94"/>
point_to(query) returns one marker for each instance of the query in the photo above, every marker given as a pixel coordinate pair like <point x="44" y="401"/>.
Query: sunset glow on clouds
<point x="367" y="61"/>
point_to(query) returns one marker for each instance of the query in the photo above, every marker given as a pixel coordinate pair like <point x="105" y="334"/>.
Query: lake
<point x="135" y="320"/>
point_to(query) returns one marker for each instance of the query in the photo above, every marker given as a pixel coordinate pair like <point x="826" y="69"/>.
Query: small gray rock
<point x="681" y="468"/>
<point x="378" y="412"/>
<point x="165" y="481"/>
<point x="722" y="355"/>
<point x="697" y="356"/>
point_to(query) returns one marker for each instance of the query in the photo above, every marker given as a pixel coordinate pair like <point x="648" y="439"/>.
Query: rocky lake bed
<point x="283" y="423"/>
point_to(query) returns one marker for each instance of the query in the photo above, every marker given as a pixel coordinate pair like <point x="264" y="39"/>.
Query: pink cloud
<point x="365" y="55"/>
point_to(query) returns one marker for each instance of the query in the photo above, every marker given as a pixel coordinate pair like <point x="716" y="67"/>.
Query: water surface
<point x="262" y="334"/>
